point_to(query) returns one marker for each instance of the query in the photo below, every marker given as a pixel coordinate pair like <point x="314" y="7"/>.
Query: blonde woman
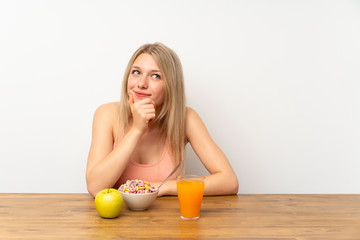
<point x="144" y="135"/>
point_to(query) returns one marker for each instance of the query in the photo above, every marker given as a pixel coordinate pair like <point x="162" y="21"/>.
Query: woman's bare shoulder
<point x="108" y="108"/>
<point x="193" y="121"/>
<point x="191" y="114"/>
<point x="107" y="112"/>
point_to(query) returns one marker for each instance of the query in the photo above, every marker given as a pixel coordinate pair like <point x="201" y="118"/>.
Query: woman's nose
<point x="143" y="82"/>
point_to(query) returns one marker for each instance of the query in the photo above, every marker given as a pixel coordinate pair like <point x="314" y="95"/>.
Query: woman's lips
<point x="141" y="94"/>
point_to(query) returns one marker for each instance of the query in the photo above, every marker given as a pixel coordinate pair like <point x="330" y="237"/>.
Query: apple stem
<point x="108" y="190"/>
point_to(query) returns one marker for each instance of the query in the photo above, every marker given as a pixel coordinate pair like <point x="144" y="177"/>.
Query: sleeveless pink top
<point x="155" y="172"/>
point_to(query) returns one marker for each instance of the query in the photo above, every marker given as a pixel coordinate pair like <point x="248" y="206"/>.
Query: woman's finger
<point x="131" y="99"/>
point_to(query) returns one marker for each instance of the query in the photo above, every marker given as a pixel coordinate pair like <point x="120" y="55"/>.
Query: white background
<point x="276" y="83"/>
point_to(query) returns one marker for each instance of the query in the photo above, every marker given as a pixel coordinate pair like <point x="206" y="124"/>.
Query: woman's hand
<point x="143" y="112"/>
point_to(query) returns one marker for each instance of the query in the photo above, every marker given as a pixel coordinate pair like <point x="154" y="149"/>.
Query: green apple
<point x="109" y="203"/>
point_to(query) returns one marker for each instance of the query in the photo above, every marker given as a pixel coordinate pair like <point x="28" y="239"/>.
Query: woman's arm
<point x="106" y="165"/>
<point x="222" y="179"/>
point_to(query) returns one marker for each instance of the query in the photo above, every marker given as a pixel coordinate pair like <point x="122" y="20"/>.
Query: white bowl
<point x="139" y="202"/>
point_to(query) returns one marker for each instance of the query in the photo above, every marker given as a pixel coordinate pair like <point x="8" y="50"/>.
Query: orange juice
<point x="190" y="189"/>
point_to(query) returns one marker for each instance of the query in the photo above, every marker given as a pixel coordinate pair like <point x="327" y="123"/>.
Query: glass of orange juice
<point x="190" y="190"/>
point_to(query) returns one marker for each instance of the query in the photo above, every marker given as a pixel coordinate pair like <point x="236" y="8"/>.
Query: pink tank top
<point x="156" y="172"/>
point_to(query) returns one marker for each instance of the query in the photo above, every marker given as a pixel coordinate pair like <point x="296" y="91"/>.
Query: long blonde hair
<point x="171" y="117"/>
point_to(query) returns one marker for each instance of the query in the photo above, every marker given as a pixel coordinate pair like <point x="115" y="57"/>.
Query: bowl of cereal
<point x="138" y="194"/>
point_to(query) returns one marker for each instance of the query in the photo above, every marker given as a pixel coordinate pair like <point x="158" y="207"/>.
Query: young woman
<point x="144" y="135"/>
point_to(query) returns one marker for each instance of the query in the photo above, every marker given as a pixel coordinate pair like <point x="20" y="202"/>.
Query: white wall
<point x="276" y="83"/>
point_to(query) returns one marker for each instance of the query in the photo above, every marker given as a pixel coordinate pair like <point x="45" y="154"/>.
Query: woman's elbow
<point x="92" y="188"/>
<point x="233" y="185"/>
<point x="235" y="189"/>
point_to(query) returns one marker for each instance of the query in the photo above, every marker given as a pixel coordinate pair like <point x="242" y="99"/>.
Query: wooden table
<point x="73" y="216"/>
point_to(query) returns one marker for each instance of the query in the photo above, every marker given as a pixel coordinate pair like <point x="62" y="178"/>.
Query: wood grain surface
<point x="73" y="216"/>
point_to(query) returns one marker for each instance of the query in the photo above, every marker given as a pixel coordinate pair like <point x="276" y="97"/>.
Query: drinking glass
<point x="190" y="190"/>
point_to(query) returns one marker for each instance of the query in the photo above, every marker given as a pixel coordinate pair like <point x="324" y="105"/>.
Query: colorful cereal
<point x="137" y="187"/>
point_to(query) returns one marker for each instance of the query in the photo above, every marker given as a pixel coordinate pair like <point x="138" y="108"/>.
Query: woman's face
<point x="146" y="80"/>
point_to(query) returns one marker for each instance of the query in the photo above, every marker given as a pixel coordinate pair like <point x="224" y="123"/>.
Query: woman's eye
<point x="157" y="76"/>
<point x="136" y="72"/>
